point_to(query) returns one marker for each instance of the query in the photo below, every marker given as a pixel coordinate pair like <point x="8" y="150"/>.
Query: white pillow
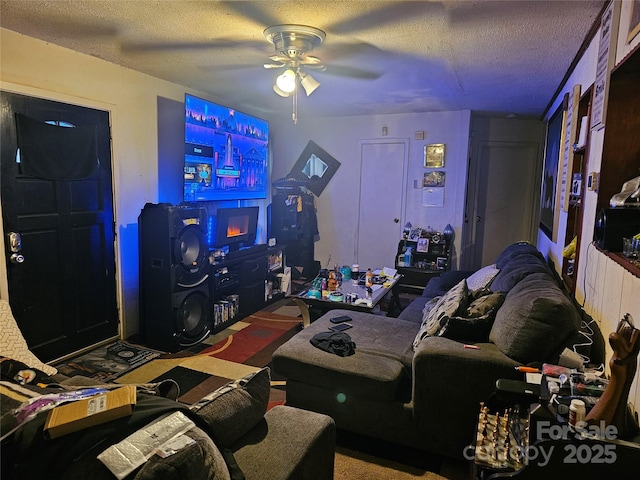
<point x="482" y="278"/>
<point x="13" y="344"/>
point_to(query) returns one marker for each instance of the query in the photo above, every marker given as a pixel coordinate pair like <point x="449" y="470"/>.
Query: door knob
<point x="16" y="258"/>
<point x="396" y="220"/>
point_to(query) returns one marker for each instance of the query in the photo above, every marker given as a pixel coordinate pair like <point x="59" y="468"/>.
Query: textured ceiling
<point x="497" y="56"/>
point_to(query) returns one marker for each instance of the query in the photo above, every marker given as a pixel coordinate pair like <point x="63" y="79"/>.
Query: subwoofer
<point x="613" y="224"/>
<point x="175" y="292"/>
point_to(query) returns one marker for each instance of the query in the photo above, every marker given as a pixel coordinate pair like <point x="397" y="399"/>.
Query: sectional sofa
<point x="417" y="380"/>
<point x="234" y="436"/>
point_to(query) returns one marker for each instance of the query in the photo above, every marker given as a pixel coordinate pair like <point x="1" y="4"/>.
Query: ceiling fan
<point x="293" y="43"/>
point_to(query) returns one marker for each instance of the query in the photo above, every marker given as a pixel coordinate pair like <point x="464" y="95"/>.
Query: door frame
<point x="80" y="102"/>
<point x="405" y="176"/>
<point x="468" y="257"/>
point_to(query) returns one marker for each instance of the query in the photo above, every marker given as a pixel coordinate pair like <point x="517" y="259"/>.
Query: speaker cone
<point x="191" y="319"/>
<point x="191" y="257"/>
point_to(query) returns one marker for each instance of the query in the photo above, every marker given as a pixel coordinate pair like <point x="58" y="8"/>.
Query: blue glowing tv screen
<point x="226" y="153"/>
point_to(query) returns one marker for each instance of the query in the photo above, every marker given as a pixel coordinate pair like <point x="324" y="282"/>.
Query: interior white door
<point x="506" y="197"/>
<point x="382" y="179"/>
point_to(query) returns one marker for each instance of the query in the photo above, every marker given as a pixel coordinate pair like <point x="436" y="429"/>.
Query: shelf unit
<point x="621" y="137"/>
<point x="575" y="212"/>
<point x="424" y="265"/>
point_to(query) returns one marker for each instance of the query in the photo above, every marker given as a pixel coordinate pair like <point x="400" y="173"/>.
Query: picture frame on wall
<point x="317" y="166"/>
<point x="550" y="173"/>
<point x="434" y="155"/>
<point x="634" y="21"/>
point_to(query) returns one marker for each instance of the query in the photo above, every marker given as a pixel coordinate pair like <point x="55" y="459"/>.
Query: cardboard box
<point x="86" y="413"/>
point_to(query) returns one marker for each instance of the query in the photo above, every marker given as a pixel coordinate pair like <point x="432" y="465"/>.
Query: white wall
<point x="338" y="203"/>
<point x="605" y="289"/>
<point x="36" y="68"/>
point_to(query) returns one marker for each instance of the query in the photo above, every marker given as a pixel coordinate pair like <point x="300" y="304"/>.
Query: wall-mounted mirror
<point x="317" y="165"/>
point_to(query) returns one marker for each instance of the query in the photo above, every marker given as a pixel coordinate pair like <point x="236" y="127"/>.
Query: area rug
<point x="108" y="362"/>
<point x="239" y="350"/>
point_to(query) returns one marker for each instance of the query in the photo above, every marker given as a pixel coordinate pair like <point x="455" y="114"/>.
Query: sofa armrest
<point x="449" y="382"/>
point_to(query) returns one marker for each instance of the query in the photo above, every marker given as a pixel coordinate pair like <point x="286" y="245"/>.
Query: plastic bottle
<point x="369" y="278"/>
<point x="577" y="412"/>
<point x="407" y="257"/>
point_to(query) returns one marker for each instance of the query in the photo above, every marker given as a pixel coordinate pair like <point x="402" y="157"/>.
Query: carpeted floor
<point x="247" y="346"/>
<point x="233" y="353"/>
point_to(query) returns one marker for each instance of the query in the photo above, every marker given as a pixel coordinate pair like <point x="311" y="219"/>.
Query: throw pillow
<point x="13" y="344"/>
<point x="235" y="408"/>
<point x="18" y="372"/>
<point x="484" y="305"/>
<point x="449" y="305"/>
<point x="535" y="321"/>
<point x="482" y="278"/>
<point x="475" y="323"/>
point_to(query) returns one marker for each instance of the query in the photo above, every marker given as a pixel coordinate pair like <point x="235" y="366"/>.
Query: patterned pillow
<point x="13" y="344"/>
<point x="449" y="305"/>
<point x="235" y="408"/>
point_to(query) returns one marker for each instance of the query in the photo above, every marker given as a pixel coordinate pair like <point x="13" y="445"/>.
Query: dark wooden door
<point x="61" y="276"/>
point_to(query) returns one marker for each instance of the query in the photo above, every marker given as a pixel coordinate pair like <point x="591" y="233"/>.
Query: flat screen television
<point x="235" y="227"/>
<point x="226" y="153"/>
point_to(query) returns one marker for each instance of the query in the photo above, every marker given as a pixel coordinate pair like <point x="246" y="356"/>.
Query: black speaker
<point x="612" y="224"/>
<point x="175" y="292"/>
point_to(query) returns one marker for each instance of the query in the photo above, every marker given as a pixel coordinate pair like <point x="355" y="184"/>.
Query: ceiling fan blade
<point x="310" y="60"/>
<point x="393" y="13"/>
<point x="352" y="72"/>
<point x="220" y="43"/>
<point x="254" y="12"/>
<point x="274" y="65"/>
<point x="279" y="58"/>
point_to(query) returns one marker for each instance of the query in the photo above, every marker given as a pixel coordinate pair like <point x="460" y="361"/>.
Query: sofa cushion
<point x="482" y="278"/>
<point x="535" y="321"/>
<point x="518" y="267"/>
<point x="438" y="286"/>
<point x="378" y="368"/>
<point x="438" y="311"/>
<point x="235" y="408"/>
<point x="514" y="250"/>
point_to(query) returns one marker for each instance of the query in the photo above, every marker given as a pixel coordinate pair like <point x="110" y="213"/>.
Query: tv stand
<point x="245" y="251"/>
<point x="238" y="283"/>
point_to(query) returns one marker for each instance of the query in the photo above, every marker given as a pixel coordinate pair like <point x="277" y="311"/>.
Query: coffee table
<point x="324" y="304"/>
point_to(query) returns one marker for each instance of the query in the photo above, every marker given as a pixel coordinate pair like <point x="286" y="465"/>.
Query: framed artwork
<point x="423" y="245"/>
<point x="550" y="173"/>
<point x="634" y="21"/>
<point x="434" y="155"/>
<point x="316" y="165"/>
<point x="434" y="179"/>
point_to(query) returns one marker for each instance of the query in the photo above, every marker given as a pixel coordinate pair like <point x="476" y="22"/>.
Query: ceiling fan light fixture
<point x="280" y="92"/>
<point x="308" y="83"/>
<point x="286" y="81"/>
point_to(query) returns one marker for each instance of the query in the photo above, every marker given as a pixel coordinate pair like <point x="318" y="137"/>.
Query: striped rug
<point x="243" y="348"/>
